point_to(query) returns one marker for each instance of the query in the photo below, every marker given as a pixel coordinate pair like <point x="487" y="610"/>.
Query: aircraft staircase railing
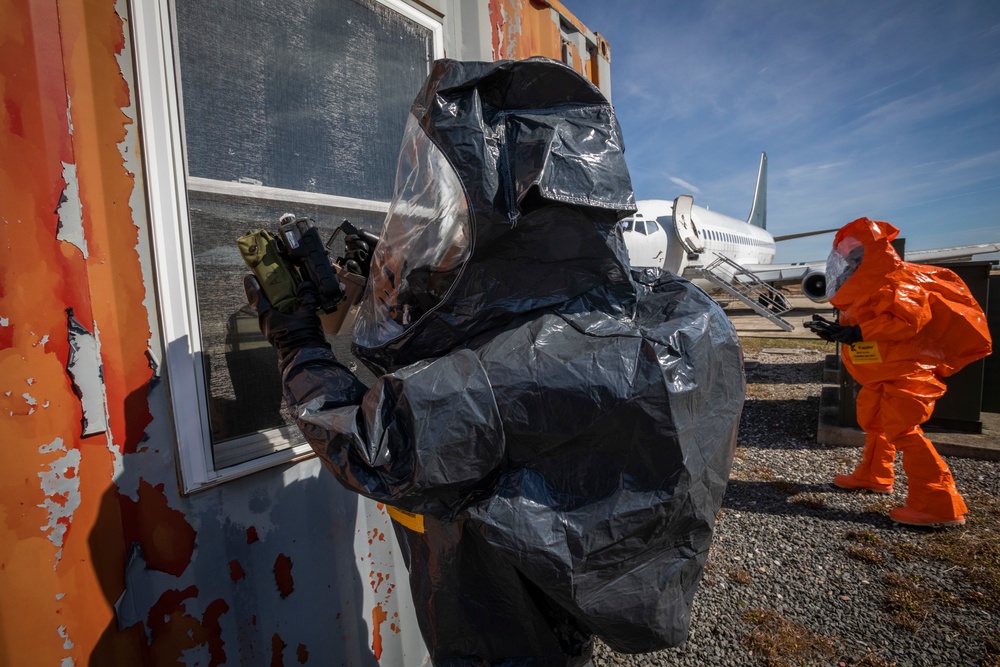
<point x="744" y="286"/>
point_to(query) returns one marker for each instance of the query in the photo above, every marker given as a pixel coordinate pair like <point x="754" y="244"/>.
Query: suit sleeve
<point x="895" y="313"/>
<point x="427" y="438"/>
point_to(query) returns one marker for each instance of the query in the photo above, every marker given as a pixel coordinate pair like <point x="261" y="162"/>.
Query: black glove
<point x="832" y="332"/>
<point x="360" y="248"/>
<point x="288" y="332"/>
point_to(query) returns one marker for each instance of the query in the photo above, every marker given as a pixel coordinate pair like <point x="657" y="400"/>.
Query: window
<point x="248" y="111"/>
<point x="652" y="227"/>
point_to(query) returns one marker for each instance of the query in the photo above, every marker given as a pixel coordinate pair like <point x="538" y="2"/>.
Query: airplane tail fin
<point x="758" y="213"/>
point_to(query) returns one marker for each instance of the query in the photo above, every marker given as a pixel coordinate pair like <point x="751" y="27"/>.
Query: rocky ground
<point x="801" y="573"/>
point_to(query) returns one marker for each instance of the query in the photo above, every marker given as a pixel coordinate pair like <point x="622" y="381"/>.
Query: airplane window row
<point x="726" y="237"/>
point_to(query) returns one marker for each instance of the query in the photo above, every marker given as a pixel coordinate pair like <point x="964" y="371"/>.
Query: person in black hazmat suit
<point x="553" y="435"/>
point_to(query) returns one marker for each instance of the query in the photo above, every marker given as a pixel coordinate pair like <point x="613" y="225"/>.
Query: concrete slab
<point x="749" y="323"/>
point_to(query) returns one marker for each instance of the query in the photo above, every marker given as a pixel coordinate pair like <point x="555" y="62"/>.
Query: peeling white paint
<point x="143" y="588"/>
<point x="64" y="633"/>
<point x="43" y="341"/>
<point x="29" y="399"/>
<point x="69" y="114"/>
<point x="60" y="596"/>
<point x="67" y="662"/>
<point x="137" y="198"/>
<point x="70" y="211"/>
<point x="30" y="381"/>
<point x="56" y="481"/>
<point x="4" y="321"/>
<point x="84" y="368"/>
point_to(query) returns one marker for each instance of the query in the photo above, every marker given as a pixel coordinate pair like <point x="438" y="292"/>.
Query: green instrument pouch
<point x="277" y="277"/>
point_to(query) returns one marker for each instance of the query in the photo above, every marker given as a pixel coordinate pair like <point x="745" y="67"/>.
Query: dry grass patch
<point x="782" y="643"/>
<point x="910" y="604"/>
<point x="739" y="575"/>
<point x="992" y="657"/>
<point x="784" y="486"/>
<point x="905" y="551"/>
<point x="863" y="537"/>
<point x="754" y="345"/>
<point x="865" y="555"/>
<point x="880" y="506"/>
<point x="809" y="500"/>
<point x="872" y="660"/>
<point x="975" y="550"/>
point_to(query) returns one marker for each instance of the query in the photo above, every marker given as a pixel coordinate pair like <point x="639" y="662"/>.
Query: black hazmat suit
<point x="559" y="430"/>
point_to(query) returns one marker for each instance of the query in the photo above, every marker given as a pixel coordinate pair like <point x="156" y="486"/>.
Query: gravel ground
<point x="801" y="573"/>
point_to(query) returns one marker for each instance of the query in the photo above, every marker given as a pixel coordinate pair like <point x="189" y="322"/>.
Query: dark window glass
<point x="304" y="94"/>
<point x="309" y="96"/>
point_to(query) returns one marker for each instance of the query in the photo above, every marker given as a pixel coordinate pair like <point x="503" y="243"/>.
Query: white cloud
<point x="684" y="185"/>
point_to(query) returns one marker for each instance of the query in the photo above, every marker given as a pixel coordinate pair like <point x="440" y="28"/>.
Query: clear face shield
<point x="425" y="242"/>
<point x="841" y="264"/>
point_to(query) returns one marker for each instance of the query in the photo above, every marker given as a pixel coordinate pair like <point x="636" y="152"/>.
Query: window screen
<point x="308" y="96"/>
<point x="304" y="94"/>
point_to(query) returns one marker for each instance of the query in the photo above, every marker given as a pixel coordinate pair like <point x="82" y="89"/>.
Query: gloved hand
<point x="832" y="332"/>
<point x="360" y="248"/>
<point x="288" y="332"/>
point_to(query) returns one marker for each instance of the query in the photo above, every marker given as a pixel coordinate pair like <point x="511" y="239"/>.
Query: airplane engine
<point x="814" y="286"/>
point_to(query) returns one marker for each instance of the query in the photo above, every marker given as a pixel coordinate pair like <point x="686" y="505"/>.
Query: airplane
<point x="717" y="251"/>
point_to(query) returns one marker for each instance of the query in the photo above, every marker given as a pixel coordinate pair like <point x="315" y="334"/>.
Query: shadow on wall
<point x="260" y="570"/>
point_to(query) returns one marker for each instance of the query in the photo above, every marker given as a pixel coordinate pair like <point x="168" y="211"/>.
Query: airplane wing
<point x="785" y="273"/>
<point x="811" y="276"/>
<point x="962" y="253"/>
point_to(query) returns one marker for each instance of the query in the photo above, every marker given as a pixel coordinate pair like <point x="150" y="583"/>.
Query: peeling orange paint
<point x="283" y="575"/>
<point x="166" y="536"/>
<point x="277" y="651"/>
<point x="236" y="572"/>
<point x="378" y="617"/>
<point x="252" y="535"/>
<point x="522" y="29"/>
<point x="91" y="40"/>
<point x="302" y="653"/>
<point x="51" y="570"/>
<point x="173" y="630"/>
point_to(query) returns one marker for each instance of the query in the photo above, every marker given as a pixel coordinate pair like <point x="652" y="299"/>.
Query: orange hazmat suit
<point x="918" y="324"/>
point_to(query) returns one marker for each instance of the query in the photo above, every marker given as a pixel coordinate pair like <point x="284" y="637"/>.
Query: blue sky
<point x="888" y="109"/>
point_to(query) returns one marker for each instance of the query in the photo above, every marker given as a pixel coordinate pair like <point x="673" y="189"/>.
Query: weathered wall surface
<point x="525" y="28"/>
<point x="282" y="567"/>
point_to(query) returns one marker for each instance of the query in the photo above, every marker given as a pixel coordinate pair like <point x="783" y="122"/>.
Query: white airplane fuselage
<point x="658" y="236"/>
<point x="659" y="246"/>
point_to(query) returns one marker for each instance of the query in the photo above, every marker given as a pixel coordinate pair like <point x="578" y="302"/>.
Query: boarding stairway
<point x="745" y="287"/>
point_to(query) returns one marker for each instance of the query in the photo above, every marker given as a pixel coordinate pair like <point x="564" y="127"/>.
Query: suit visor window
<point x="425" y="242"/>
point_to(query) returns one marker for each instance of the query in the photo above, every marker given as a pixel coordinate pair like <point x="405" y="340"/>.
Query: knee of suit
<point x="908" y="438"/>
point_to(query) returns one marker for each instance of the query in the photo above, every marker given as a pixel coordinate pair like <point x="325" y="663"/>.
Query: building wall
<point x="102" y="560"/>
<point x="524" y="28"/>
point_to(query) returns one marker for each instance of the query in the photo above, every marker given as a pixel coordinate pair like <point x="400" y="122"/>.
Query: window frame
<point x="158" y="86"/>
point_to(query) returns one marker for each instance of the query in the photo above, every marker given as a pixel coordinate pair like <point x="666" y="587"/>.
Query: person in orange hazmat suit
<point x="903" y="327"/>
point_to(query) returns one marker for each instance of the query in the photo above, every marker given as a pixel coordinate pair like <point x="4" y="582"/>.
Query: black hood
<point x="510" y="181"/>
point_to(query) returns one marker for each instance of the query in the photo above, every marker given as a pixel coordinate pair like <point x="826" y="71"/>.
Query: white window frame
<point x="167" y="186"/>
